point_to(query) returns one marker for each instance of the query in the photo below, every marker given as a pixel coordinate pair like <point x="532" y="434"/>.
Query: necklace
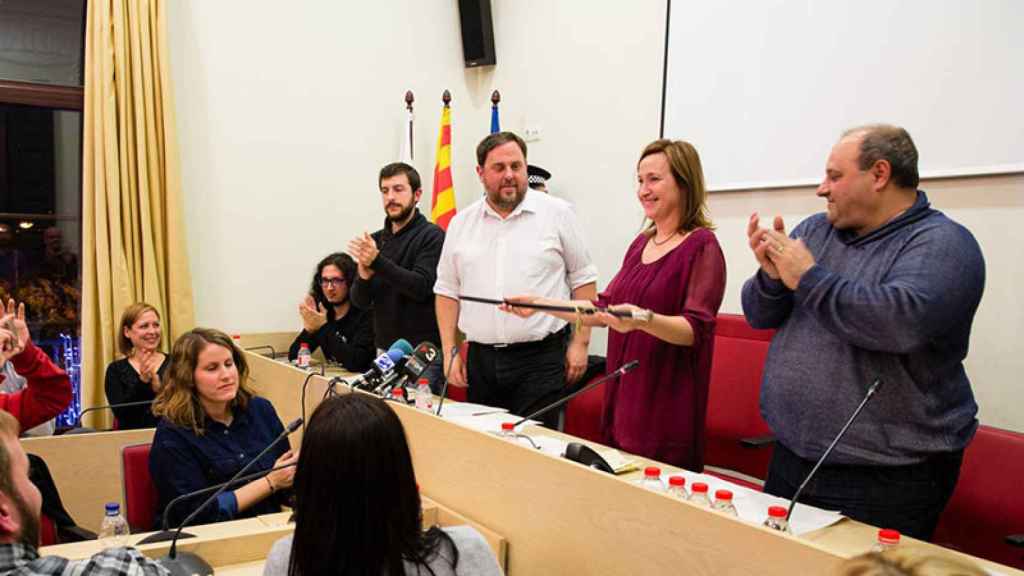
<point x="654" y="239"/>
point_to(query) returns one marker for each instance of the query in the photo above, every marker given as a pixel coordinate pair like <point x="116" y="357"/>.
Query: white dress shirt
<point x="538" y="250"/>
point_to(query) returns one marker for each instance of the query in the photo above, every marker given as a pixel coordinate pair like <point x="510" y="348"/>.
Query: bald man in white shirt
<point x="512" y="241"/>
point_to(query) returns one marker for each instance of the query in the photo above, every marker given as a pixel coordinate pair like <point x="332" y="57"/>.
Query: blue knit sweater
<point x="895" y="304"/>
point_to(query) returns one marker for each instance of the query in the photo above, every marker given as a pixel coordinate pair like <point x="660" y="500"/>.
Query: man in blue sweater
<point x="881" y="286"/>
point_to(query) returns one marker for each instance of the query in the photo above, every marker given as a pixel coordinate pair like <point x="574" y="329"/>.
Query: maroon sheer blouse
<point x="658" y="410"/>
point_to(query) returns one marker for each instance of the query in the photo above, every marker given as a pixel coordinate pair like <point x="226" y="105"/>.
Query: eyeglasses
<point x="332" y="282"/>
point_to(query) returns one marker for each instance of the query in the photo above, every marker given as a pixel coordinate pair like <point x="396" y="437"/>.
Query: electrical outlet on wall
<point x="532" y="133"/>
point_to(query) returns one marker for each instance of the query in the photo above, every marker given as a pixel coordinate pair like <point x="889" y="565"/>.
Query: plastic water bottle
<point x="114" y="526"/>
<point x="652" y="479"/>
<point x="723" y="502"/>
<point x="699" y="494"/>
<point x="677" y="487"/>
<point x="777" y="519"/>
<point x="302" y="361"/>
<point x="424" y="397"/>
<point x="887" y="538"/>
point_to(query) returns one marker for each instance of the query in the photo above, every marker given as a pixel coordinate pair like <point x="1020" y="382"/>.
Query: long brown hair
<point x="178" y="401"/>
<point x="128" y="318"/>
<point x="689" y="177"/>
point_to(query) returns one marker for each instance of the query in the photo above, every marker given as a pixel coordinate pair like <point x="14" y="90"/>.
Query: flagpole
<point x="495" y="100"/>
<point x="409" y="99"/>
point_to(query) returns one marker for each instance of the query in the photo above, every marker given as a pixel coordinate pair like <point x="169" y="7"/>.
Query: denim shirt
<point x="181" y="461"/>
<point x="895" y="304"/>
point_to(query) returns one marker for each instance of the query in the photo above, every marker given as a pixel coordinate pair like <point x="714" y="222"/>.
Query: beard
<point x="29" y="535"/>
<point x="504" y="203"/>
<point x="403" y="215"/>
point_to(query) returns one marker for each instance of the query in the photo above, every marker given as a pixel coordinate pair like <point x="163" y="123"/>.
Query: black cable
<point x="304" y="384"/>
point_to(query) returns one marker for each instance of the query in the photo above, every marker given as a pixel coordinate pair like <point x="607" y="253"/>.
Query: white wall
<point x="285" y="116"/>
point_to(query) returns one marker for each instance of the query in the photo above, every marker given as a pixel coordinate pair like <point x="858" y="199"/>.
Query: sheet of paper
<point x="466" y="409"/>
<point x="752" y="506"/>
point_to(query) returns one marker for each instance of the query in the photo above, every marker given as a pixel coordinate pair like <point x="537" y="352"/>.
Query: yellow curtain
<point x="133" y="231"/>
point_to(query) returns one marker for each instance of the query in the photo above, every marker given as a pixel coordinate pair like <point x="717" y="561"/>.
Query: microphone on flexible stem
<point x="273" y="353"/>
<point x="444" y="388"/>
<point x="188" y="564"/>
<point x="628" y="366"/>
<point x="166" y="533"/>
<point x="78" y="421"/>
<point x="796" y="495"/>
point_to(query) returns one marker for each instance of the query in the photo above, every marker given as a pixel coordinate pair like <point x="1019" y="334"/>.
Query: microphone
<point x="383" y="365"/>
<point x="166" y="534"/>
<point x="627" y="367"/>
<point x="78" y="421"/>
<point x="444" y="388"/>
<point x="188" y="564"/>
<point x="415" y="365"/>
<point x="871" y="392"/>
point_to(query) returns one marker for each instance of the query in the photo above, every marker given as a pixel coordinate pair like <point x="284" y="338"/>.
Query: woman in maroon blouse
<point x="675" y="270"/>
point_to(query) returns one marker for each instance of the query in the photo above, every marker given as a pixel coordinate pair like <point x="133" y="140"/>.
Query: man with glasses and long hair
<point x="330" y="322"/>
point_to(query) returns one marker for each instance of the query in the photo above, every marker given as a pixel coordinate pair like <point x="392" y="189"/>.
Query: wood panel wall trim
<point x="43" y="95"/>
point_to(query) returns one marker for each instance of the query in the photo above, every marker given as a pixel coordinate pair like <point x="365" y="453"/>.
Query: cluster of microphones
<point x="399" y="367"/>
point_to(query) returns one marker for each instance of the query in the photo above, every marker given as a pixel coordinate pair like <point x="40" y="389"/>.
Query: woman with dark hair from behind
<point x="330" y="322"/>
<point x="357" y="506"/>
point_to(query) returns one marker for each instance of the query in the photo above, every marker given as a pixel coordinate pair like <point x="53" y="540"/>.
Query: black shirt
<point x="182" y="461"/>
<point x="122" y="384"/>
<point x="401" y="291"/>
<point x="347" y="341"/>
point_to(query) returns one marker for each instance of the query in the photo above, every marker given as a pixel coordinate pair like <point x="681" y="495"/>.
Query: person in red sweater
<point x="48" y="389"/>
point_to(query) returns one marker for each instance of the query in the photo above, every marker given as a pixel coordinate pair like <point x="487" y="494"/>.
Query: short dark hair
<point x="343" y="262"/>
<point x="492" y="141"/>
<point x="396" y="168"/>
<point x="370" y="518"/>
<point x="892" y="144"/>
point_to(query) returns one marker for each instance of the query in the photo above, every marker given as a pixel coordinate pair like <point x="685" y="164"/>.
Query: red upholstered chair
<point x="583" y="414"/>
<point x="734" y="412"/>
<point x="986" y="506"/>
<point x="140" y="495"/>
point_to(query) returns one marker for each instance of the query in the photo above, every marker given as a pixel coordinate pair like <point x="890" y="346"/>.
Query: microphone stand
<point x="611" y="375"/>
<point x="871" y="392"/>
<point x="444" y="388"/>
<point x="167" y="534"/>
<point x="188" y="564"/>
<point x="273" y="353"/>
<point x="78" y="421"/>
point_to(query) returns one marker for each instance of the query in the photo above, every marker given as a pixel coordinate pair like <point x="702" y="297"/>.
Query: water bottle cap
<point x="423" y="382"/>
<point x="723" y="495"/>
<point x="676" y="481"/>
<point x="397" y="392"/>
<point x="508" y="426"/>
<point x="889" y="536"/>
<point x="777" y="511"/>
<point x="303" y="346"/>
<point x="699" y="487"/>
<point x="113" y="508"/>
<point x="652" y="471"/>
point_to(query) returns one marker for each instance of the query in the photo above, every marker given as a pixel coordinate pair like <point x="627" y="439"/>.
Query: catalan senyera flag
<point x="442" y="206"/>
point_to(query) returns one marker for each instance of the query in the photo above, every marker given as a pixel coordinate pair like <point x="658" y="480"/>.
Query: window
<point x="41" y="99"/>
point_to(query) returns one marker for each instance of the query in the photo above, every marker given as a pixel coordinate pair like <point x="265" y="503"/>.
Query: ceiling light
<point x="26" y="224"/>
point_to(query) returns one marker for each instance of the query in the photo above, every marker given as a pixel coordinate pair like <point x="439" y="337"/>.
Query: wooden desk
<point x="241" y="546"/>
<point x="87" y="469"/>
<point x="562" y="518"/>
